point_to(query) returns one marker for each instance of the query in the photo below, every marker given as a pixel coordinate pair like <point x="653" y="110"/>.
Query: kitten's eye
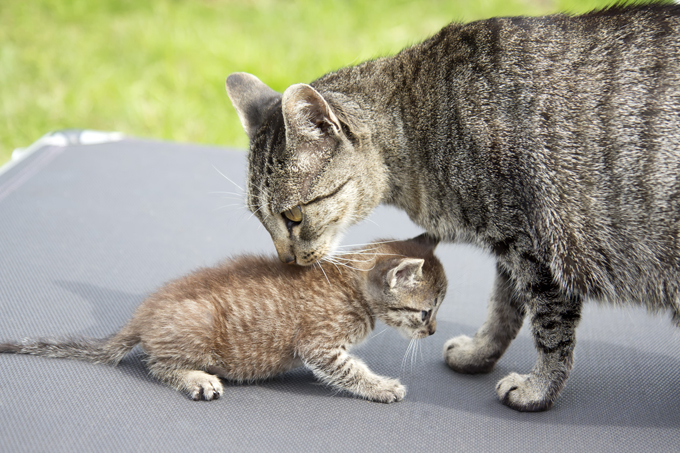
<point x="424" y="315"/>
<point x="294" y="214"/>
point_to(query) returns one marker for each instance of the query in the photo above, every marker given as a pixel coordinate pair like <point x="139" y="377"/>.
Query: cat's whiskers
<point x="336" y="266"/>
<point x="240" y="195"/>
<point x="235" y="199"/>
<point x="372" y="243"/>
<point x="357" y="251"/>
<point x="227" y="178"/>
<point x="357" y="219"/>
<point x="373" y="254"/>
<point x="238" y="206"/>
<point x="353" y="259"/>
<point x="344" y="262"/>
<point x="255" y="212"/>
<point x="324" y="272"/>
<point x="243" y="194"/>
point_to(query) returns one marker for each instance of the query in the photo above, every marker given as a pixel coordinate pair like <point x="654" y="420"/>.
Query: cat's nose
<point x="287" y="258"/>
<point x="432" y="328"/>
<point x="284" y="251"/>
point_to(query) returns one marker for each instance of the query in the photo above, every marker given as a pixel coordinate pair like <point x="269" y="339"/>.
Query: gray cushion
<point x="86" y="231"/>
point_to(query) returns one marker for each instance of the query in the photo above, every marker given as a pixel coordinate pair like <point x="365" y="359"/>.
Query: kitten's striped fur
<point x="254" y="317"/>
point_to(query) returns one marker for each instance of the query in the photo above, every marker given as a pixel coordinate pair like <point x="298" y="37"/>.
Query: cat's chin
<point x="318" y="252"/>
<point x="303" y="258"/>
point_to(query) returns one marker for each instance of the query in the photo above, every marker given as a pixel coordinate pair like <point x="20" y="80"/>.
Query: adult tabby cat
<point x="551" y="142"/>
<point x="254" y="317"/>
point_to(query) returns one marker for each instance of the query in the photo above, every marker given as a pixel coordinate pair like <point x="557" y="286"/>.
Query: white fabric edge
<point x="61" y="138"/>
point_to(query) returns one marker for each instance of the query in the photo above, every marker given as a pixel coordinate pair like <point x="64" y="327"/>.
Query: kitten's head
<point x="311" y="173"/>
<point x="407" y="286"/>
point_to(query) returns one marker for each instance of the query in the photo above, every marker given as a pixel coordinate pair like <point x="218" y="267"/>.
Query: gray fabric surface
<point x="87" y="231"/>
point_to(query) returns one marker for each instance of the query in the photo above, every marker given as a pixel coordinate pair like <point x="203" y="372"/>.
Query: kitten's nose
<point x="432" y="328"/>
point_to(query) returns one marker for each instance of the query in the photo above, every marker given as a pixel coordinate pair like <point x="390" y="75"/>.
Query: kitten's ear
<point x="307" y="114"/>
<point x="405" y="272"/>
<point x="251" y="99"/>
<point x="427" y="240"/>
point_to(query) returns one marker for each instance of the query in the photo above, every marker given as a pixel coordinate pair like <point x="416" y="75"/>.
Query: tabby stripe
<point x="323" y="197"/>
<point x="414" y="310"/>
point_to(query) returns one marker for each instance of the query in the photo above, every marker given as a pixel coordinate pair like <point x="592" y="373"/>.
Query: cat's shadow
<point x="610" y="384"/>
<point x="617" y="391"/>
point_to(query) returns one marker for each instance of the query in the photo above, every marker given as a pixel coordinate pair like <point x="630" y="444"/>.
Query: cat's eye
<point x="294" y="214"/>
<point x="424" y="315"/>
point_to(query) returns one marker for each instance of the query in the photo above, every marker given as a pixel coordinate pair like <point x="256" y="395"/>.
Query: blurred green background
<point x="156" y="68"/>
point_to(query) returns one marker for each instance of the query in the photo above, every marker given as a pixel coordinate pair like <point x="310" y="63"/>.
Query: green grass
<point x="156" y="68"/>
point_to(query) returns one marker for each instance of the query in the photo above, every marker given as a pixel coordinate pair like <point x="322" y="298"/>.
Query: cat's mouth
<point x="302" y="252"/>
<point x="289" y="255"/>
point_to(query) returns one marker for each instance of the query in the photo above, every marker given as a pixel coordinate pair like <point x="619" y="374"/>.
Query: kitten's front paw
<point x="203" y="386"/>
<point x="463" y="355"/>
<point x="521" y="392"/>
<point x="387" y="391"/>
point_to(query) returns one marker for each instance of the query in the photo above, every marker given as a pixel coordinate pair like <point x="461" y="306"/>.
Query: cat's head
<point x="311" y="173"/>
<point x="407" y="286"/>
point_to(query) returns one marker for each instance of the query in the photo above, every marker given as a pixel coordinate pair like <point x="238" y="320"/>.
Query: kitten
<point x="552" y="142"/>
<point x="254" y="317"/>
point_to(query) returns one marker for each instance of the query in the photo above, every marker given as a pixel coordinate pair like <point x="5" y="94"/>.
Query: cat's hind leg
<point x="198" y="384"/>
<point x="505" y="316"/>
<point x="336" y="367"/>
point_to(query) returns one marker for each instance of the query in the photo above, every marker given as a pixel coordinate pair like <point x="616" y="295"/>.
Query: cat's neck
<point x="380" y="122"/>
<point x="383" y="97"/>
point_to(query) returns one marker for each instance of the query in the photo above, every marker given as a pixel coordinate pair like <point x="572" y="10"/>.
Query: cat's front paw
<point x="464" y="355"/>
<point x="387" y="391"/>
<point x="203" y="386"/>
<point x="521" y="392"/>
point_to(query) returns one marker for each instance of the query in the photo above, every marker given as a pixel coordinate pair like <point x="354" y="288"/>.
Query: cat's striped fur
<point x="551" y="142"/>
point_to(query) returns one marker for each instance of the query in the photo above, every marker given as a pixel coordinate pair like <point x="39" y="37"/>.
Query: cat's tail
<point x="109" y="350"/>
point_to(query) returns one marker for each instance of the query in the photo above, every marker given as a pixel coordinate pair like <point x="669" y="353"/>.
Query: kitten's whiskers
<point x="409" y="349"/>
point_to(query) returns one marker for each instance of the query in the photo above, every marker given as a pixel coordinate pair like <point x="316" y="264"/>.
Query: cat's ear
<point x="307" y="114"/>
<point x="427" y="240"/>
<point x="251" y="99"/>
<point x="405" y="273"/>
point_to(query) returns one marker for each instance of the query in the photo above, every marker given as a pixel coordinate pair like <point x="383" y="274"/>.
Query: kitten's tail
<point x="109" y="350"/>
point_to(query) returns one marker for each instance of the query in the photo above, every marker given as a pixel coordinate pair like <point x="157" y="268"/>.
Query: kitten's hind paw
<point x="387" y="391"/>
<point x="465" y="355"/>
<point x="522" y="393"/>
<point x="203" y="386"/>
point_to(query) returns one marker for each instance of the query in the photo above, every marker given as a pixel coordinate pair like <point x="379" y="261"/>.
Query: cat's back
<point x="623" y="27"/>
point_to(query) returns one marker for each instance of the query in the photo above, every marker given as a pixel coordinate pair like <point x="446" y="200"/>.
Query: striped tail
<point x="109" y="350"/>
